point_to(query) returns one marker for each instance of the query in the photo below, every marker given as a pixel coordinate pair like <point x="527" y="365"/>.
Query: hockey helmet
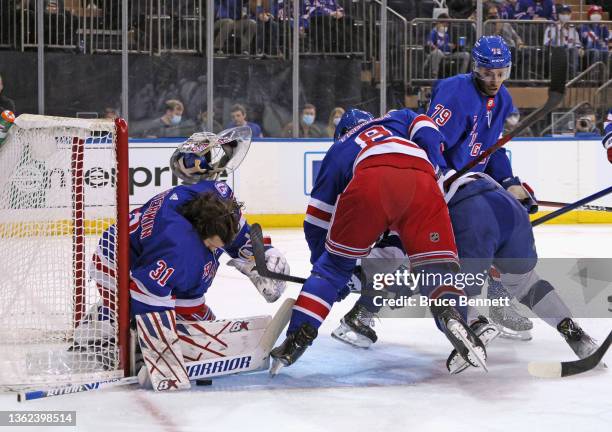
<point x="205" y="155"/>
<point x="351" y="118"/>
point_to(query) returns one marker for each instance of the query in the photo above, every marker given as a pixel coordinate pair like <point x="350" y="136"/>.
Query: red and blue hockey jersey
<point x="471" y="122"/>
<point x="402" y="132"/>
<point x="170" y="268"/>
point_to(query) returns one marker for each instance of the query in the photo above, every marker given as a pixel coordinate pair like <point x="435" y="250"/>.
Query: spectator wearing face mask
<point x="586" y="124"/>
<point x="171" y="123"/>
<point x="595" y="36"/>
<point x="308" y="128"/>
<point x="504" y="29"/>
<point x="536" y="9"/>
<point x="441" y="47"/>
<point x="564" y="34"/>
<point x="334" y="119"/>
<point x="511" y="122"/>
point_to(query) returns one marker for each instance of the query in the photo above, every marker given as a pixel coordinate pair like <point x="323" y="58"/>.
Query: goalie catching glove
<point x="522" y="192"/>
<point x="270" y="289"/>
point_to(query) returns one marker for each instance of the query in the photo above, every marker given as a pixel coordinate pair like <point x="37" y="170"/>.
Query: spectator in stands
<point x="5" y="102"/>
<point x="586" y="123"/>
<point x="442" y="48"/>
<point x="202" y="120"/>
<point x="334" y="119"/>
<point x="595" y="37"/>
<point x="564" y="34"/>
<point x="308" y="128"/>
<point x="110" y="113"/>
<point x="232" y="17"/>
<point x="505" y="30"/>
<point x="536" y="9"/>
<point x="239" y="118"/>
<point x="171" y="124"/>
<point x="511" y="10"/>
<point x="267" y="38"/>
<point x="326" y="25"/>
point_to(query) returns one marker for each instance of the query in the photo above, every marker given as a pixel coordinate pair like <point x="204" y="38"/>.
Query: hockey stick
<point x="209" y="368"/>
<point x="572" y="206"/>
<point x="259" y="253"/>
<point x="582" y="207"/>
<point x="563" y="369"/>
<point x="556" y="93"/>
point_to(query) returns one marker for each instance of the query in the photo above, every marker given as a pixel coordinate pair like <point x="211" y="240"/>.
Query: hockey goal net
<point x="63" y="182"/>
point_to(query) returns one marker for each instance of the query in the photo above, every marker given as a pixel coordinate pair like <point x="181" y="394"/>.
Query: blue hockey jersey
<point x="471" y="122"/>
<point x="337" y="167"/>
<point x="170" y="268"/>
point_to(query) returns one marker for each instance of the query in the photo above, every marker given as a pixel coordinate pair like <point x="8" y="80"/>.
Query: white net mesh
<point x="57" y="197"/>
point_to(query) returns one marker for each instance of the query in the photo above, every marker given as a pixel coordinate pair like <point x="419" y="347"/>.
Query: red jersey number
<point x="441" y="115"/>
<point x="162" y="273"/>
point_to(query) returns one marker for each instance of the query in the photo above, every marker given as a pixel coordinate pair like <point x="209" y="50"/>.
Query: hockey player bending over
<point x="382" y="173"/>
<point x="177" y="237"/>
<point x="470" y="110"/>
<point x="504" y="240"/>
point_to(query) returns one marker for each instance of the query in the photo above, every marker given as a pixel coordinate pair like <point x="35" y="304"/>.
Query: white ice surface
<point x="400" y="384"/>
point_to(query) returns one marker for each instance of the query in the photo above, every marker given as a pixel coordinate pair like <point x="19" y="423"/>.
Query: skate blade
<point x="506" y="333"/>
<point x="277" y="365"/>
<point x="460" y="333"/>
<point x="357" y="341"/>
<point x="487" y="336"/>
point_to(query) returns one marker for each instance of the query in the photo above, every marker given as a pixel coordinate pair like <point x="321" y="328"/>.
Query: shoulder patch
<point x="223" y="189"/>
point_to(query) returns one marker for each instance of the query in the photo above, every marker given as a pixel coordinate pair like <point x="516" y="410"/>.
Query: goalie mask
<point x="205" y="155"/>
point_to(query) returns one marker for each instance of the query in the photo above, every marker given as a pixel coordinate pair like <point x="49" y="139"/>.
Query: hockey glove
<point x="607" y="143"/>
<point x="270" y="289"/>
<point x="522" y="192"/>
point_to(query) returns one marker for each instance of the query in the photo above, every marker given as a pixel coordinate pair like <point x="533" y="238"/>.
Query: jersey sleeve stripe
<point x="420" y="122"/>
<point x="318" y="213"/>
<point x="321" y="205"/>
<point x="316" y="221"/>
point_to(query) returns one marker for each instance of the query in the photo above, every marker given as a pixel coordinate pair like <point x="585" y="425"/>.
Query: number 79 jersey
<point x="471" y="123"/>
<point x="398" y="138"/>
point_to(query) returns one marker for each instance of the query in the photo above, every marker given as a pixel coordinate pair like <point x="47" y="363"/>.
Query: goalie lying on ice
<point x="177" y="237"/>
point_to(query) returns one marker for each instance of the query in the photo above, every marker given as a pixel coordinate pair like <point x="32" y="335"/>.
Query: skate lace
<point x="366" y="317"/>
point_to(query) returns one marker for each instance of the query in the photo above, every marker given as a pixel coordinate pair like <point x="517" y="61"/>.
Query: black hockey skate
<point x="461" y="336"/>
<point x="485" y="331"/>
<point x="292" y="348"/>
<point x="356" y="328"/>
<point x="580" y="342"/>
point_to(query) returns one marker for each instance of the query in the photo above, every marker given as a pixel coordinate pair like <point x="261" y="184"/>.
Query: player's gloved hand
<point x="522" y="192"/>
<point x="270" y="289"/>
<point x="607" y="143"/>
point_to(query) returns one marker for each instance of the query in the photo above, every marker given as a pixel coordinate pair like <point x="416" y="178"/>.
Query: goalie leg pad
<point x="161" y="351"/>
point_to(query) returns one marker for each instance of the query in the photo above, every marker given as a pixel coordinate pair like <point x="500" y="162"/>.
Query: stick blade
<point x="544" y="369"/>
